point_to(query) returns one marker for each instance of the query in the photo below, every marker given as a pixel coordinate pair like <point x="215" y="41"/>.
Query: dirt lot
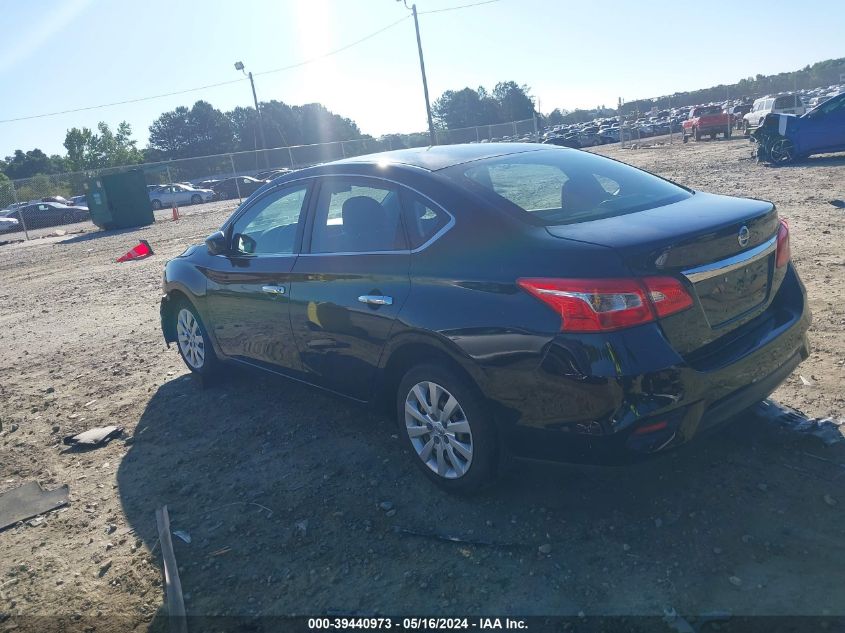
<point x="279" y="486"/>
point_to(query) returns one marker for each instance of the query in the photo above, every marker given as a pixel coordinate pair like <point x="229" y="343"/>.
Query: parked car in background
<point x="37" y="215"/>
<point x="79" y="201"/>
<point x="784" y="138"/>
<point x="781" y="104"/>
<point x="383" y="278"/>
<point x="739" y="111"/>
<point x="206" y="184"/>
<point x="58" y="199"/>
<point x="272" y="174"/>
<point x="8" y="224"/>
<point x="708" y="120"/>
<point x="168" y="195"/>
<point x="242" y="186"/>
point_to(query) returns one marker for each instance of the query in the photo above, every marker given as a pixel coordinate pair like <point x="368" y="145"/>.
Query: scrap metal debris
<point x="828" y="430"/>
<point x="175" y="600"/>
<point x="454" y="539"/>
<point x="94" y="437"/>
<point x="29" y="501"/>
<point x="182" y="534"/>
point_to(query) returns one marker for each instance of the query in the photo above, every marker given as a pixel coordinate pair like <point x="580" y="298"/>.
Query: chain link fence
<point x="57" y="200"/>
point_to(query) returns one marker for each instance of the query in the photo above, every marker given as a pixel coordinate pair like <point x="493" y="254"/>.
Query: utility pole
<point x="413" y="10"/>
<point x="240" y="66"/>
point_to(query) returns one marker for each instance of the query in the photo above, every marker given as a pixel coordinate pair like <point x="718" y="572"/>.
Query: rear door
<point x="248" y="289"/>
<point x="351" y="284"/>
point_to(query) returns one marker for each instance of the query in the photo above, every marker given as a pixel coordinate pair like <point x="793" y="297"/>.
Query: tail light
<point x="784" y="253"/>
<point x="600" y="305"/>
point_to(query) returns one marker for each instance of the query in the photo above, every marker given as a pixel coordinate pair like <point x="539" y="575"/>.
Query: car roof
<point x="439" y="157"/>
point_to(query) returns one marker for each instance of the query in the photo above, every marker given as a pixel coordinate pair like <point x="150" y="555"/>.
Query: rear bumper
<point x="630" y="416"/>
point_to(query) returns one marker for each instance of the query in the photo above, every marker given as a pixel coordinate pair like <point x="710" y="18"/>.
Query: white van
<point x="781" y="104"/>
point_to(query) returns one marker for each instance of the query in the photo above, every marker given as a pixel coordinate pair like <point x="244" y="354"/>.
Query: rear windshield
<point x="559" y="186"/>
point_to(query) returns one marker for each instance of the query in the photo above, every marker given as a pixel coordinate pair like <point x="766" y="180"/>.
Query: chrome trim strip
<point x="724" y="266"/>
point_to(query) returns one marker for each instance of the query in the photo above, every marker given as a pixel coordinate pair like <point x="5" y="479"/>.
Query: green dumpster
<point x="119" y="201"/>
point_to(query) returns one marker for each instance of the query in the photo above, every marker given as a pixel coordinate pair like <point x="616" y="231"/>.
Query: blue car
<point x="784" y="138"/>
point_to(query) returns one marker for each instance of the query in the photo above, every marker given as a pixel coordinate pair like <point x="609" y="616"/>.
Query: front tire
<point x="448" y="427"/>
<point x="696" y="134"/>
<point x="782" y="152"/>
<point x="193" y="342"/>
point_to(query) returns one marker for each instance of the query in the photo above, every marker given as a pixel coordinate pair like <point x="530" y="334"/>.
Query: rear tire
<point x="448" y="428"/>
<point x="696" y="134"/>
<point x="193" y="341"/>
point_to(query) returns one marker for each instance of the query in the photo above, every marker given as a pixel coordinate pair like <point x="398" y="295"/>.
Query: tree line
<point x="203" y="130"/>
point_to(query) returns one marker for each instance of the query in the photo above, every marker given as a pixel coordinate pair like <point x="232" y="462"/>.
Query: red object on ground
<point x="175" y="213"/>
<point x="139" y="252"/>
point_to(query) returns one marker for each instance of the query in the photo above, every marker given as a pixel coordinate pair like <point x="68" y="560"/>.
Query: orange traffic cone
<point x="175" y="213"/>
<point x="139" y="252"/>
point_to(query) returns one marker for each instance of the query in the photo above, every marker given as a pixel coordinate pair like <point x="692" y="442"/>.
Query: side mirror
<point x="217" y="243"/>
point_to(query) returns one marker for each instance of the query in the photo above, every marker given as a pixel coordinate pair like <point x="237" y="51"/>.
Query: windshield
<point x="558" y="186"/>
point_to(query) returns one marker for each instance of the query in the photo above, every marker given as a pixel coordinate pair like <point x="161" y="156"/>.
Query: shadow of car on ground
<point x="279" y="488"/>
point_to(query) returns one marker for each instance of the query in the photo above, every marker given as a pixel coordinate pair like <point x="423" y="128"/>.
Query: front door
<point x="249" y="288"/>
<point x="350" y="283"/>
<point x="825" y="128"/>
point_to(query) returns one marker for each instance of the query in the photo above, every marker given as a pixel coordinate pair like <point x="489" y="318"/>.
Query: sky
<point x="59" y="55"/>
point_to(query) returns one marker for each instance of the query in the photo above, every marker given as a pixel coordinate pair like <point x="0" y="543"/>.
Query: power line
<point x="339" y="50"/>
<point x="206" y="87"/>
<point x="463" y="6"/>
<point x="116" y="103"/>
<point x="234" y="81"/>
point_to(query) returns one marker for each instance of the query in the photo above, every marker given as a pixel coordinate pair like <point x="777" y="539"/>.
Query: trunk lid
<point x="698" y="241"/>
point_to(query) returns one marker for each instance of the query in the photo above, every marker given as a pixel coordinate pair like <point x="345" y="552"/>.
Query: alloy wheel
<point x="438" y="429"/>
<point x="782" y="151"/>
<point x="191" y="341"/>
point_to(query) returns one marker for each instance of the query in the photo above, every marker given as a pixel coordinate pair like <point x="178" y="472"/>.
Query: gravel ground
<point x="279" y="486"/>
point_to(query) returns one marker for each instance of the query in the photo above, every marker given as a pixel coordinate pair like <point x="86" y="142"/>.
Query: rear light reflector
<point x="667" y="295"/>
<point x="600" y="305"/>
<point x="784" y="253"/>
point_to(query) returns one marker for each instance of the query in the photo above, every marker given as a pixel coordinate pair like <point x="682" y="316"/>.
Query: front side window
<point x="357" y="215"/>
<point x="269" y="226"/>
<point x="556" y="186"/>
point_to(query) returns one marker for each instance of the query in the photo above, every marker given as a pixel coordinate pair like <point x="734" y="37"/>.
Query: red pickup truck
<point x="710" y="120"/>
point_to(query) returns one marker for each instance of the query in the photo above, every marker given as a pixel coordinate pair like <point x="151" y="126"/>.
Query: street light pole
<point x="413" y="9"/>
<point x="240" y="66"/>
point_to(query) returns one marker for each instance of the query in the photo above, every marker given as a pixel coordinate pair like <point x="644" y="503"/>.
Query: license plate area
<point x="729" y="295"/>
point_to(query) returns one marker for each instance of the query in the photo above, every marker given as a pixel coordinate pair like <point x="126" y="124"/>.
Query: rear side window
<point x="422" y="219"/>
<point x="356" y="216"/>
<point x="558" y="186"/>
<point x="787" y="101"/>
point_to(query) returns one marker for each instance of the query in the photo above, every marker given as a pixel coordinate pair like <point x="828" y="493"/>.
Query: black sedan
<point x="240" y="187"/>
<point x="502" y="299"/>
<point x="41" y="214"/>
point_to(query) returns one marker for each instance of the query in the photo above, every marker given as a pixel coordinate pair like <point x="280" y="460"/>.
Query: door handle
<point x="376" y="300"/>
<point x="273" y="290"/>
